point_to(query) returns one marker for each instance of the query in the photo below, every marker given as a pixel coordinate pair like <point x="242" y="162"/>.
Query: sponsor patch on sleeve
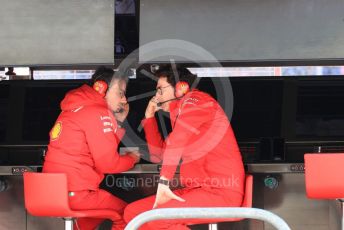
<point x="56" y="131"/>
<point x="191" y="101"/>
<point x="107" y="124"/>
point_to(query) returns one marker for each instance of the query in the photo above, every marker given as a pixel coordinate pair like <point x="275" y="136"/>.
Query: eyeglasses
<point x="160" y="91"/>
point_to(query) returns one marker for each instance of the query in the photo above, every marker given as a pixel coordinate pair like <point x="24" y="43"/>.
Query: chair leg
<point x="342" y="204"/>
<point x="68" y="223"/>
<point x="212" y="226"/>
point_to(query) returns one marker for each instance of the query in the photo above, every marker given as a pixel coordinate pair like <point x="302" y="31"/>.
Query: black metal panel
<point x="257" y="108"/>
<point x="41" y="109"/>
<point x="4" y="100"/>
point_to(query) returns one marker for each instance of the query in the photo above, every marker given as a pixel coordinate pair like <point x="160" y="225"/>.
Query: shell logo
<point x="56" y="131"/>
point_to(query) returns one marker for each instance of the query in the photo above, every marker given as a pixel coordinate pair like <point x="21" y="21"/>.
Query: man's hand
<point x="135" y="155"/>
<point x="151" y="108"/>
<point x="120" y="116"/>
<point x="165" y="194"/>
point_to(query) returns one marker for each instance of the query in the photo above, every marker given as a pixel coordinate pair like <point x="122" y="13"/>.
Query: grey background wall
<point x="249" y="29"/>
<point x="45" y="32"/>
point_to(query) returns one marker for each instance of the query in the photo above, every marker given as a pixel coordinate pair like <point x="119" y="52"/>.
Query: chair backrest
<point x="324" y="175"/>
<point x="247" y="201"/>
<point x="46" y="194"/>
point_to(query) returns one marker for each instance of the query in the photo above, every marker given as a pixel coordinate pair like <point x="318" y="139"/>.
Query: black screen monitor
<point x="257" y="106"/>
<point x="4" y="95"/>
<point x="320" y="110"/>
<point x="41" y="109"/>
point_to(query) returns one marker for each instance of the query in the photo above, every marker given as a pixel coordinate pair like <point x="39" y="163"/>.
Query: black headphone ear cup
<point x="182" y="88"/>
<point x="101" y="87"/>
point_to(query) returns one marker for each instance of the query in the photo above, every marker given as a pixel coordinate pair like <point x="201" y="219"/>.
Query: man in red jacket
<point x="211" y="169"/>
<point x="84" y="141"/>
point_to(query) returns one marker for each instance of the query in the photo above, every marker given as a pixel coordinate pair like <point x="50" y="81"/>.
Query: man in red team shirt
<point x="211" y="170"/>
<point x="83" y="144"/>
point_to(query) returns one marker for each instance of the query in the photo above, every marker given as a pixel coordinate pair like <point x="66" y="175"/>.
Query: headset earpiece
<point x="182" y="88"/>
<point x="101" y="87"/>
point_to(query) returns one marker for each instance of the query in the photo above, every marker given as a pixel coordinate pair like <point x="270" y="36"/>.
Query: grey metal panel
<point x="38" y="32"/>
<point x="12" y="212"/>
<point x="289" y="201"/>
<point x="335" y="215"/>
<point x="248" y="29"/>
<point x="155" y="168"/>
<point x="276" y="168"/>
<point x="44" y="223"/>
<point x="144" y="168"/>
<point x="16" y="170"/>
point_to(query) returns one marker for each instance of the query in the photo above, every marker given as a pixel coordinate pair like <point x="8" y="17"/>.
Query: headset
<point x="101" y="87"/>
<point x="182" y="88"/>
<point x="100" y="84"/>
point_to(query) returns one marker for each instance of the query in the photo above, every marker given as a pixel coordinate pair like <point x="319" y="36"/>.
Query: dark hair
<point x="106" y="74"/>
<point x="181" y="72"/>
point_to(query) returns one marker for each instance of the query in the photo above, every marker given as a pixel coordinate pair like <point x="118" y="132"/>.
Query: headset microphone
<point x="120" y="110"/>
<point x="159" y="104"/>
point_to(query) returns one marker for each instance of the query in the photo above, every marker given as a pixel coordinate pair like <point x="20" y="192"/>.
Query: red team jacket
<point x="84" y="140"/>
<point x="202" y="138"/>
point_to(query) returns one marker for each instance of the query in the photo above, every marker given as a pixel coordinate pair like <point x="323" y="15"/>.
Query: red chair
<point x="246" y="203"/>
<point x="46" y="194"/>
<point x="324" y="177"/>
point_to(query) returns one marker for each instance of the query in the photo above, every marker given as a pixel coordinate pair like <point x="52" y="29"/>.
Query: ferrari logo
<point x="56" y="131"/>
